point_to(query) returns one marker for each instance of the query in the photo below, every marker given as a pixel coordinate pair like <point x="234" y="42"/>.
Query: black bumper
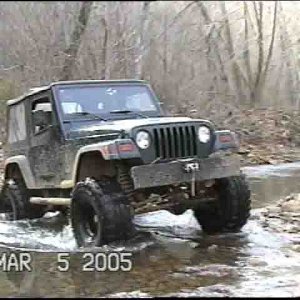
<point x="161" y="174"/>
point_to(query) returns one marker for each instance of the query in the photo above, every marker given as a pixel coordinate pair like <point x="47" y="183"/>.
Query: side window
<point x="44" y="105"/>
<point x="16" y="123"/>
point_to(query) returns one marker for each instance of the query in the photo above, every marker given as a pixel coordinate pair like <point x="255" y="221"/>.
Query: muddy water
<point x="170" y="256"/>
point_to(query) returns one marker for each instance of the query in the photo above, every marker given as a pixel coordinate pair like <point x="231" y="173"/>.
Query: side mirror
<point x="42" y="118"/>
<point x="163" y="107"/>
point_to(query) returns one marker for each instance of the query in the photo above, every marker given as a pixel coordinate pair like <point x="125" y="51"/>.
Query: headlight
<point x="143" y="139"/>
<point x="203" y="134"/>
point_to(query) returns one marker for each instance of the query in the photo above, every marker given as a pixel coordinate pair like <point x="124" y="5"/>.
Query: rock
<point x="213" y="270"/>
<point x="287" y="198"/>
<point x="273" y="161"/>
<point x="292" y="229"/>
<point x="217" y="290"/>
<point x="296" y="248"/>
<point x="256" y="262"/>
<point x="133" y="294"/>
<point x="291" y="205"/>
<point x="212" y="248"/>
<point x="274" y="216"/>
<point x="254" y="217"/>
<point x="194" y="244"/>
<point x="265" y="224"/>
<point x="274" y="209"/>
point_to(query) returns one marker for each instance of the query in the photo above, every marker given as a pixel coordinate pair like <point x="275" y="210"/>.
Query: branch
<point x="179" y="15"/>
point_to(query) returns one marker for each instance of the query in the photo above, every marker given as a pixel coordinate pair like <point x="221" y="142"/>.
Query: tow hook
<point x="193" y="184"/>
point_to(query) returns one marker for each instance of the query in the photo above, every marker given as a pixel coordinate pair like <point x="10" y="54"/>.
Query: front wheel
<point x="100" y="213"/>
<point x="230" y="211"/>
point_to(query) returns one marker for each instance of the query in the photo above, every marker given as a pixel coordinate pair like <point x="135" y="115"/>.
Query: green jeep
<point x="99" y="150"/>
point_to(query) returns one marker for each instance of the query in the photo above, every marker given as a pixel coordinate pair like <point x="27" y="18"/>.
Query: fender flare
<point x="109" y="150"/>
<point x="22" y="162"/>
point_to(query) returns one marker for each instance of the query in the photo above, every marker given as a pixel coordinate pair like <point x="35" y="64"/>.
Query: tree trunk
<point x="214" y="58"/>
<point x="141" y="40"/>
<point x="230" y="49"/>
<point x="270" y="52"/>
<point x="286" y="55"/>
<point x="104" y="50"/>
<point x="256" y="92"/>
<point x="76" y="37"/>
<point x="247" y="50"/>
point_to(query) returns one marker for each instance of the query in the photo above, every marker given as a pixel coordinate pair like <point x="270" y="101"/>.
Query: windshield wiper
<point x="128" y="112"/>
<point x="85" y="113"/>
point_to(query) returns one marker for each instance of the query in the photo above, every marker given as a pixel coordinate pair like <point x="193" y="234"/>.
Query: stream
<point x="170" y="255"/>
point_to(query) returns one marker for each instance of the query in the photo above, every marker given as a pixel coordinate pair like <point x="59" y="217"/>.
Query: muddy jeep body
<point x="53" y="161"/>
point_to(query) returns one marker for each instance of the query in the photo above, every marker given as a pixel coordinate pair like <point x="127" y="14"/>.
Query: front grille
<point x="175" y="141"/>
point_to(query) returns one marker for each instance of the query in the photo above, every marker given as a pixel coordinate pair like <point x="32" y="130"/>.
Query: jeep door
<point x="44" y="151"/>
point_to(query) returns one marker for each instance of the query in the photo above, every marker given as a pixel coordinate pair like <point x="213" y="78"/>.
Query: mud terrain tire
<point x="231" y="210"/>
<point x="15" y="197"/>
<point x="100" y="213"/>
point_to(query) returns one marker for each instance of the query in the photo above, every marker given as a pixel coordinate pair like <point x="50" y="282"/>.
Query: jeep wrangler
<point x="98" y="150"/>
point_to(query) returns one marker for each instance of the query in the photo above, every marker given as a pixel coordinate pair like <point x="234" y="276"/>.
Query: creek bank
<point x="282" y="217"/>
<point x="267" y="136"/>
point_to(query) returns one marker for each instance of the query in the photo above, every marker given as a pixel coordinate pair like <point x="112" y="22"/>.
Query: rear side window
<point x="16" y="123"/>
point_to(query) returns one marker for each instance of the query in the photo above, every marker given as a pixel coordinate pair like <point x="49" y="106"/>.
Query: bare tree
<point x="288" y="65"/>
<point x="212" y="55"/>
<point x="104" y="69"/>
<point x="260" y="43"/>
<point x="271" y="47"/>
<point x="236" y="75"/>
<point x="262" y="62"/>
<point x="246" y="48"/>
<point x="72" y="50"/>
<point x="144" y="21"/>
<point x="214" y="58"/>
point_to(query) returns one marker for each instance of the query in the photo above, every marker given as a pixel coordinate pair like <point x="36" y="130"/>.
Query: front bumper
<point x="161" y="174"/>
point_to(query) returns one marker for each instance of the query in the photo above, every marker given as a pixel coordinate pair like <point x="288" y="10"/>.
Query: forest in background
<point x="222" y="60"/>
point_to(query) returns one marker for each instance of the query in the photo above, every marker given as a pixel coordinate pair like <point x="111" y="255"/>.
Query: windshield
<point x="106" y="101"/>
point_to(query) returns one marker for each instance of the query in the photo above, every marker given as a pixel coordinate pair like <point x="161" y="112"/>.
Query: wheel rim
<point x="88" y="223"/>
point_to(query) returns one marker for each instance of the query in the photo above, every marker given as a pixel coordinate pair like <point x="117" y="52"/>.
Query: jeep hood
<point x="84" y="129"/>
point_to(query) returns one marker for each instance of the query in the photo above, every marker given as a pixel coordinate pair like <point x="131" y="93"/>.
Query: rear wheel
<point x="230" y="211"/>
<point x="15" y="203"/>
<point x="100" y="213"/>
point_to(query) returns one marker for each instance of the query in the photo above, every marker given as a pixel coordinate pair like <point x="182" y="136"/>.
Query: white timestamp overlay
<point x="89" y="261"/>
<point x="15" y="261"/>
<point x="97" y="261"/>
